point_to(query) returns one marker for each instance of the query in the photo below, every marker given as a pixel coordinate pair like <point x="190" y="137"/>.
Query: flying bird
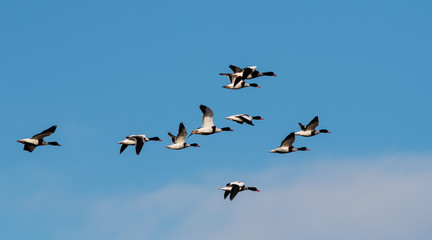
<point x="309" y="130"/>
<point x="235" y="187"/>
<point x="208" y="126"/>
<point x="137" y="140"/>
<point x="37" y="140"/>
<point x="244" y="118"/>
<point x="179" y="140"/>
<point x="247" y="73"/>
<point x="287" y="147"/>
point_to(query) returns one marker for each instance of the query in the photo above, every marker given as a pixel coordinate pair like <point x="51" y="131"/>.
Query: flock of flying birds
<point x="237" y="81"/>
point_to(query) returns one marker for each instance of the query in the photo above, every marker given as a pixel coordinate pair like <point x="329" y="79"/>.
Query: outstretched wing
<point x="246" y="119"/>
<point x="288" y="141"/>
<point x="139" y="144"/>
<point x="302" y="126"/>
<point x="313" y="124"/>
<point x="173" y="138"/>
<point x="207" y="120"/>
<point x="182" y="133"/>
<point x="226" y="194"/>
<point x="237" y="81"/>
<point x="234" y="190"/>
<point x="45" y="133"/>
<point x="123" y="147"/>
<point x="247" y="72"/>
<point x="235" y="69"/>
<point x="29" y="147"/>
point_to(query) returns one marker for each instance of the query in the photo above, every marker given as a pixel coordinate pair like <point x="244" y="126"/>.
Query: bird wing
<point x="45" y="133"/>
<point x="207" y="120"/>
<point x="123" y="147"/>
<point x="29" y="147"/>
<point x="246" y="118"/>
<point x="246" y="72"/>
<point x="226" y="194"/>
<point x="232" y="78"/>
<point x="302" y="126"/>
<point x="235" y="68"/>
<point x="288" y="141"/>
<point x="234" y="190"/>
<point x="173" y="138"/>
<point x="182" y="133"/>
<point x="139" y="144"/>
<point x="252" y="67"/>
<point x="237" y="80"/>
<point x="313" y="124"/>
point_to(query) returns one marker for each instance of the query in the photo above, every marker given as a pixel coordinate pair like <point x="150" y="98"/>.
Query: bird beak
<point x="307" y="149"/>
<point x="261" y="118"/>
<point x="257" y="190"/>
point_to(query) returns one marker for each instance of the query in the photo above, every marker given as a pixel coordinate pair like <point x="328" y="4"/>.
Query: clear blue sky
<point x="102" y="70"/>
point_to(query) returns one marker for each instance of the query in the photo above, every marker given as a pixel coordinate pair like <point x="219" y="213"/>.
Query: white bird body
<point x="178" y="146"/>
<point x="207" y="130"/>
<point x="308" y="133"/>
<point x="284" y="150"/>
<point x="33" y="141"/>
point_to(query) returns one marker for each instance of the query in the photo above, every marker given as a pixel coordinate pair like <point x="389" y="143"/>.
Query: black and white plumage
<point x="244" y="118"/>
<point x="247" y="73"/>
<point x="232" y="188"/>
<point x="179" y="141"/>
<point x="309" y="130"/>
<point x="37" y="140"/>
<point x="208" y="126"/>
<point x="287" y="145"/>
<point x="137" y="140"/>
<point x="238" y="83"/>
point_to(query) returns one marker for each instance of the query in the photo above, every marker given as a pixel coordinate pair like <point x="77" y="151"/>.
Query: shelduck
<point x="309" y="130"/>
<point x="137" y="140"/>
<point x="179" y="140"/>
<point x="244" y="118"/>
<point x="235" y="187"/>
<point x="208" y="126"/>
<point x="37" y="140"/>
<point x="286" y="145"/>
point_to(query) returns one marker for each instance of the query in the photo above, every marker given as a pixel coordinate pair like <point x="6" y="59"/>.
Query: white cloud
<point x="387" y="198"/>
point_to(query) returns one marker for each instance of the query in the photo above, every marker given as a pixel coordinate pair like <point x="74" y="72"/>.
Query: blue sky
<point x="102" y="70"/>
